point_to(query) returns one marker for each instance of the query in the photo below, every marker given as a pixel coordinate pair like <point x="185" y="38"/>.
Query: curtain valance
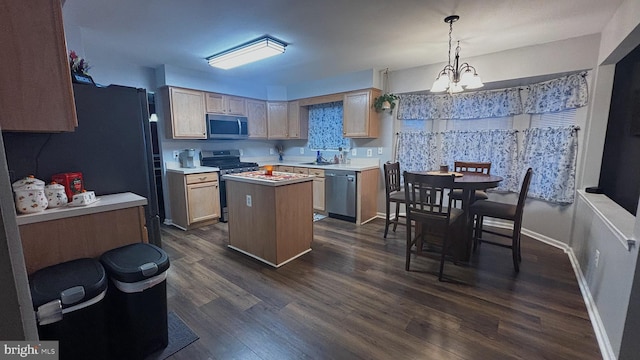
<point x="560" y="94"/>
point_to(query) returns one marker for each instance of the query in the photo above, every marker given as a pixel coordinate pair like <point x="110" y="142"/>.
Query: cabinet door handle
<point x="203" y="178"/>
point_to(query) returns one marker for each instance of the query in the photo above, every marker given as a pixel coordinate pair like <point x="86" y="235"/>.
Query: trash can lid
<point x="135" y="262"/>
<point x="72" y="282"/>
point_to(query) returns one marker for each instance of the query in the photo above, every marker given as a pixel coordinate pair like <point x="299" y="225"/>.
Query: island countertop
<point x="276" y="179"/>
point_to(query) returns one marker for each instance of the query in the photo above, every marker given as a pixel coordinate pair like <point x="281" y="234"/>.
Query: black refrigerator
<point x="111" y="147"/>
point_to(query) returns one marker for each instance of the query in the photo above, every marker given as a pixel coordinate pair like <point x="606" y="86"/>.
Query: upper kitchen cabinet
<point x="277" y="120"/>
<point x="225" y="104"/>
<point x="287" y="120"/>
<point x="298" y="120"/>
<point x="184" y="113"/>
<point x="35" y="91"/>
<point x="257" y="117"/>
<point x="360" y="119"/>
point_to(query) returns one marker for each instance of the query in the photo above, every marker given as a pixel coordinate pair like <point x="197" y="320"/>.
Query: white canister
<point x="29" y="195"/>
<point x="56" y="195"/>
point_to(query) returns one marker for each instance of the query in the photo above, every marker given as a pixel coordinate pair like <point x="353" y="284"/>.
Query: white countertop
<point x="277" y="179"/>
<point x="104" y="203"/>
<point x="195" y="170"/>
<point x="354" y="166"/>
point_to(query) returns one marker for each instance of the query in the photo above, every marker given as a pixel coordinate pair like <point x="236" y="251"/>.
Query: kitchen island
<point x="270" y="216"/>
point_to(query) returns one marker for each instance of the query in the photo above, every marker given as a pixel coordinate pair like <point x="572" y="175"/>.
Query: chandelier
<point x="457" y="77"/>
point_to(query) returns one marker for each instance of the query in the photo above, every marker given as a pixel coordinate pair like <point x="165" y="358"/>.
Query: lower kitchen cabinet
<point x="195" y="199"/>
<point x="318" y="189"/>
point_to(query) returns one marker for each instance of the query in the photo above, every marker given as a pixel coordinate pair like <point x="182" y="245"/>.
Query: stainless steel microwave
<point x="227" y="127"/>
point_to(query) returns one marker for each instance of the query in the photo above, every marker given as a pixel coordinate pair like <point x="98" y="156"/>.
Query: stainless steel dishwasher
<point x="340" y="190"/>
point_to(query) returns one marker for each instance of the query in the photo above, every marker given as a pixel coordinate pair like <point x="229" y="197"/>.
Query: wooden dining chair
<point x="393" y="194"/>
<point x="481" y="209"/>
<point x="470" y="167"/>
<point x="424" y="197"/>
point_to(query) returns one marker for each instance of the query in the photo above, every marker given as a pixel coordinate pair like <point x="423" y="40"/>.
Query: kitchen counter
<point x="104" y="203"/>
<point x="62" y="234"/>
<point x="276" y="179"/>
<point x="352" y="167"/>
<point x="270" y="219"/>
<point x="195" y="170"/>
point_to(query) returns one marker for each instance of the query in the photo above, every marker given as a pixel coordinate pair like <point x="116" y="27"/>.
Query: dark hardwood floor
<point x="350" y="298"/>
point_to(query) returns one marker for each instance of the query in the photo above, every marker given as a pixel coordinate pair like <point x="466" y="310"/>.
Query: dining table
<point x="468" y="183"/>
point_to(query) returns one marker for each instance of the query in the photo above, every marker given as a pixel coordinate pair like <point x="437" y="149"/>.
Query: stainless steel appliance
<point x="111" y="147"/>
<point x="227" y="127"/>
<point x="340" y="189"/>
<point x="228" y="161"/>
<point x="186" y="158"/>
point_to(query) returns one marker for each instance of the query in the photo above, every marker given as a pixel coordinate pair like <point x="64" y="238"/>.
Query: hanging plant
<point x="385" y="102"/>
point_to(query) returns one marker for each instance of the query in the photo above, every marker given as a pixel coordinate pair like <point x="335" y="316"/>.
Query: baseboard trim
<point x="594" y="316"/>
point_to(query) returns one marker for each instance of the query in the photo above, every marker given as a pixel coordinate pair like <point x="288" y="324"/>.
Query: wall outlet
<point x="369" y="152"/>
<point x="301" y="150"/>
<point x="354" y="152"/>
<point x="379" y="151"/>
<point x="176" y="155"/>
<point x="249" y="200"/>
<point x="271" y="151"/>
<point x="596" y="259"/>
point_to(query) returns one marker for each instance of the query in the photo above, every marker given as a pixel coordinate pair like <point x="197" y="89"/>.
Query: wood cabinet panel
<point x="360" y="120"/>
<point x="204" y="201"/>
<point x="36" y="94"/>
<point x="277" y="122"/>
<point x="225" y="104"/>
<point x="298" y="120"/>
<point x="318" y="194"/>
<point x="52" y="242"/>
<point x="185" y="111"/>
<point x="257" y="118"/>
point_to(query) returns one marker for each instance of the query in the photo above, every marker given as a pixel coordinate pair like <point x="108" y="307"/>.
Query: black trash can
<point x="69" y="305"/>
<point x="136" y="300"/>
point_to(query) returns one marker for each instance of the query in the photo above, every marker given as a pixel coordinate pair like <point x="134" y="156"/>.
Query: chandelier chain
<point x="450" y="32"/>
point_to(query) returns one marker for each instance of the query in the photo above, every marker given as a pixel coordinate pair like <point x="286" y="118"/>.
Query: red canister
<point x="72" y="183"/>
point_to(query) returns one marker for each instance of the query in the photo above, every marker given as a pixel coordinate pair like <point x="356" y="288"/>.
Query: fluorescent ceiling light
<point x="247" y="53"/>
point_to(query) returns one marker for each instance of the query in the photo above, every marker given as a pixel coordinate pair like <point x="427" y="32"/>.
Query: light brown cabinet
<point x="360" y="120"/>
<point x="318" y="189"/>
<point x="257" y="118"/>
<point x="298" y="120"/>
<point x="195" y="199"/>
<point x="287" y="120"/>
<point x="225" y="104"/>
<point x="277" y="122"/>
<point x="36" y="94"/>
<point x="183" y="110"/>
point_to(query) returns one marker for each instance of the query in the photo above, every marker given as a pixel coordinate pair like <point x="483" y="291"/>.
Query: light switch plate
<point x="379" y="151"/>
<point x="249" y="200"/>
<point x="241" y="152"/>
<point x="369" y="153"/>
<point x="271" y="152"/>
<point x="176" y="155"/>
<point x="354" y="152"/>
<point x="301" y="150"/>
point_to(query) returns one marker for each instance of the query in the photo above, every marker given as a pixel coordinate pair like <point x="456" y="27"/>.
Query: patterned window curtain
<point x="551" y="153"/>
<point x="417" y="151"/>
<point x="499" y="147"/>
<point x="560" y="94"/>
<point x="476" y="105"/>
<point x="325" y="127"/>
<point x="486" y="104"/>
<point x="424" y="107"/>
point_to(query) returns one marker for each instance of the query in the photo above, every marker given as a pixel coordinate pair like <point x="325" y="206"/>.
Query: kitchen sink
<point x="318" y="163"/>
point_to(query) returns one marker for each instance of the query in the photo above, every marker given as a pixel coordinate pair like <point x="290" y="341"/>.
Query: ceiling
<point x="326" y="38"/>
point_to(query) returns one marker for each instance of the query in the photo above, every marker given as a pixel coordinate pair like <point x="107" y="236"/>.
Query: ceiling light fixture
<point x="455" y="78"/>
<point x="255" y="50"/>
